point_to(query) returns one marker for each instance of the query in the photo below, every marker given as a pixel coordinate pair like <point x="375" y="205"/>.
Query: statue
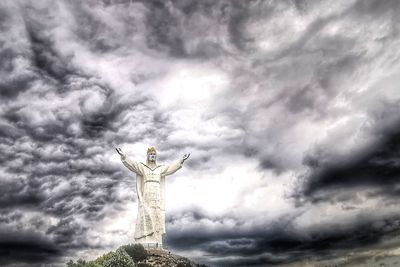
<point x="150" y="186"/>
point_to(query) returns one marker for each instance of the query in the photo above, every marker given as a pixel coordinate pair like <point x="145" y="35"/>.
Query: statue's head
<point x="151" y="155"/>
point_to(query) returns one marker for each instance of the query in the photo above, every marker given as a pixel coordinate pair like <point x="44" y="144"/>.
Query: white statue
<point x="150" y="186"/>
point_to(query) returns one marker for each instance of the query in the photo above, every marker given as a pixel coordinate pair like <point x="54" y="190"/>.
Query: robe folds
<point x="150" y="187"/>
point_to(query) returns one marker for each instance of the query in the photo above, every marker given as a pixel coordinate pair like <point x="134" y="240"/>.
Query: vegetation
<point x="103" y="258"/>
<point x="119" y="259"/>
<point x="125" y="256"/>
<point x="82" y="263"/>
<point x="136" y="252"/>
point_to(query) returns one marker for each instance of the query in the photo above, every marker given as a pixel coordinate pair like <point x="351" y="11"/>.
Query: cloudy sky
<point x="290" y="110"/>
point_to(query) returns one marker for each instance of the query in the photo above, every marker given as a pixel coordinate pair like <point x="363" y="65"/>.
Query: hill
<point x="135" y="255"/>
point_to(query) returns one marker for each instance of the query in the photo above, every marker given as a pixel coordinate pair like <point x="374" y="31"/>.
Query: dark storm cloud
<point x="373" y="166"/>
<point x="97" y="35"/>
<point x="27" y="247"/>
<point x="376" y="168"/>
<point x="164" y="29"/>
<point x="11" y="86"/>
<point x="69" y="233"/>
<point x="280" y="242"/>
<point x="13" y="79"/>
<point x="49" y="168"/>
<point x="47" y="62"/>
<point x="19" y="193"/>
<point x="165" y="20"/>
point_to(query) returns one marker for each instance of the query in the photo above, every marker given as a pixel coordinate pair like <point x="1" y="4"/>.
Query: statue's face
<point x="151" y="157"/>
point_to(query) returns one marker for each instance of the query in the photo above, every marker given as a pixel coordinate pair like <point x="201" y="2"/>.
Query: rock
<point x="164" y="258"/>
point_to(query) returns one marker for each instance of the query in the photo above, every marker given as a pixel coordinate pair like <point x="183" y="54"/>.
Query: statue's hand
<point x="185" y="157"/>
<point x="119" y="150"/>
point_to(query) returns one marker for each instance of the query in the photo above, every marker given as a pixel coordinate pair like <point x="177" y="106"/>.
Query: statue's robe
<point x="150" y="187"/>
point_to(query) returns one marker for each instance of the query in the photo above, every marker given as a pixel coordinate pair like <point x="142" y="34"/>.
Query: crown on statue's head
<point x="151" y="149"/>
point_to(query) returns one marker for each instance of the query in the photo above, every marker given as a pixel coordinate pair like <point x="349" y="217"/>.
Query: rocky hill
<point x="161" y="258"/>
<point x="135" y="255"/>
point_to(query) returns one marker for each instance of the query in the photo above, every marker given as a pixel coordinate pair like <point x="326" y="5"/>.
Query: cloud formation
<point x="288" y="108"/>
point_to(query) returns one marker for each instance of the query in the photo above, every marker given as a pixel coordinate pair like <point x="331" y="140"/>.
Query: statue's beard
<point x="151" y="160"/>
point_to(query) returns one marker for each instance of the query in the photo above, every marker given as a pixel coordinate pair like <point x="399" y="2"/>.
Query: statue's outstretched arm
<point x="130" y="164"/>
<point x="176" y="165"/>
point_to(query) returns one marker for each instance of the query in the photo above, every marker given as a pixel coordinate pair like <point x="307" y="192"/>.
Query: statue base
<point x="152" y="246"/>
